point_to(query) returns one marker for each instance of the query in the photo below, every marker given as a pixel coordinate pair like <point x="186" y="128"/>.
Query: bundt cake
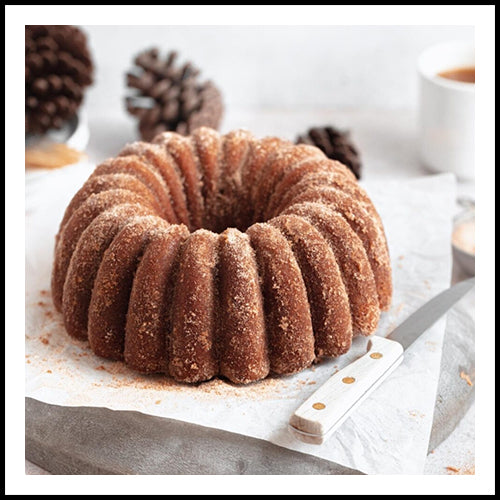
<point x="220" y="255"/>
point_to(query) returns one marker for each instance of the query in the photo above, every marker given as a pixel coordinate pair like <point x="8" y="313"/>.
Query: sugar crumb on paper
<point x="471" y="470"/>
<point x="466" y="377"/>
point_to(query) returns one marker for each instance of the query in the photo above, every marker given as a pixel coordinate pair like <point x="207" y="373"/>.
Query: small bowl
<point x="75" y="134"/>
<point x="465" y="259"/>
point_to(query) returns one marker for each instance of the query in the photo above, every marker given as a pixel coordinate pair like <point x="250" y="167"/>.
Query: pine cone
<point x="58" y="68"/>
<point x="170" y="97"/>
<point x="335" y="144"/>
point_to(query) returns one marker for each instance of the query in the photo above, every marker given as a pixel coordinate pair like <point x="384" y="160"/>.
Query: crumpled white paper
<point x="388" y="433"/>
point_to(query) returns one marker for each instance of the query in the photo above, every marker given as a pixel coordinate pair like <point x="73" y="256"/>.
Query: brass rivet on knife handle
<point x="319" y="406"/>
<point x="376" y="355"/>
<point x="348" y="380"/>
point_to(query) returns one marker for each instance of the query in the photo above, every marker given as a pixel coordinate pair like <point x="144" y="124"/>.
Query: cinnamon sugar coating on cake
<point x="231" y="209"/>
<point x="85" y="262"/>
<point x="242" y="327"/>
<point x="288" y="317"/>
<point x="181" y="150"/>
<point x="286" y="159"/>
<point x="149" y="322"/>
<point x="193" y="356"/>
<point x="220" y="255"/>
<point x="133" y="165"/>
<point x="352" y="260"/>
<point x="327" y="297"/>
<point x="113" y="284"/>
<point x="69" y="235"/>
<point x="157" y="158"/>
<point x="106" y="183"/>
<point x="365" y="226"/>
<point x="207" y="144"/>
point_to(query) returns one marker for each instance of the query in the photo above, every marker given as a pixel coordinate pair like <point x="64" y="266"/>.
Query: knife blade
<point x="326" y="409"/>
<point x="421" y="320"/>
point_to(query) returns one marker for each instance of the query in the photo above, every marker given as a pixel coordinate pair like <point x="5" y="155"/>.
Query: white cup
<point x="446" y="128"/>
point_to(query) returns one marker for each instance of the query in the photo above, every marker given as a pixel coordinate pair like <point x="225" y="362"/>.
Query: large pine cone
<point x="170" y="97"/>
<point x="335" y="144"/>
<point x="58" y="68"/>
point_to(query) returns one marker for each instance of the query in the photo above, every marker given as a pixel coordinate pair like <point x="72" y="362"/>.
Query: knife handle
<point x="323" y="412"/>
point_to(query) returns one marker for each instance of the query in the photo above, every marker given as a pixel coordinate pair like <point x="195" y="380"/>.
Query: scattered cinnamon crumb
<point x="431" y="345"/>
<point x="158" y="402"/>
<point x="312" y="382"/>
<point x="40" y="303"/>
<point x="466" y="377"/>
<point x="44" y="292"/>
<point x="44" y="340"/>
<point x="463" y="472"/>
<point x="27" y="355"/>
<point x="400" y="307"/>
<point x="432" y="452"/>
<point x="427" y="284"/>
<point x="49" y="371"/>
<point x="100" y="367"/>
<point x="415" y="413"/>
<point x="470" y="471"/>
<point x="28" y="361"/>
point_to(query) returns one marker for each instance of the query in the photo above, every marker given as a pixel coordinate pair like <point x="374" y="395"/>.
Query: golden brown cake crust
<point x="161" y="162"/>
<point x="352" y="260"/>
<point x="134" y="165"/>
<point x="181" y="150"/>
<point x="365" y="226"/>
<point x="288" y="317"/>
<point x="220" y="255"/>
<point x="113" y="284"/>
<point x="85" y="263"/>
<point x="193" y="356"/>
<point x="147" y="334"/>
<point x="69" y="235"/>
<point x="207" y="144"/>
<point x="242" y="328"/>
<point x="328" y="300"/>
<point x="105" y="183"/>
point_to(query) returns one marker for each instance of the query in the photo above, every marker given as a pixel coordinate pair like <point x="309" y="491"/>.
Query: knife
<point x="325" y="410"/>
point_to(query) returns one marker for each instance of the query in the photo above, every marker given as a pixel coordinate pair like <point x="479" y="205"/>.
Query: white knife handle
<point x="323" y="412"/>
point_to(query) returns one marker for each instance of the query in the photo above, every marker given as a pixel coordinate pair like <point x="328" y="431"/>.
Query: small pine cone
<point x="58" y="67"/>
<point x="335" y="144"/>
<point x="169" y="97"/>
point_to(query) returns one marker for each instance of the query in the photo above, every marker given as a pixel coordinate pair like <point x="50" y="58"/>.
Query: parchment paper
<point x="388" y="433"/>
